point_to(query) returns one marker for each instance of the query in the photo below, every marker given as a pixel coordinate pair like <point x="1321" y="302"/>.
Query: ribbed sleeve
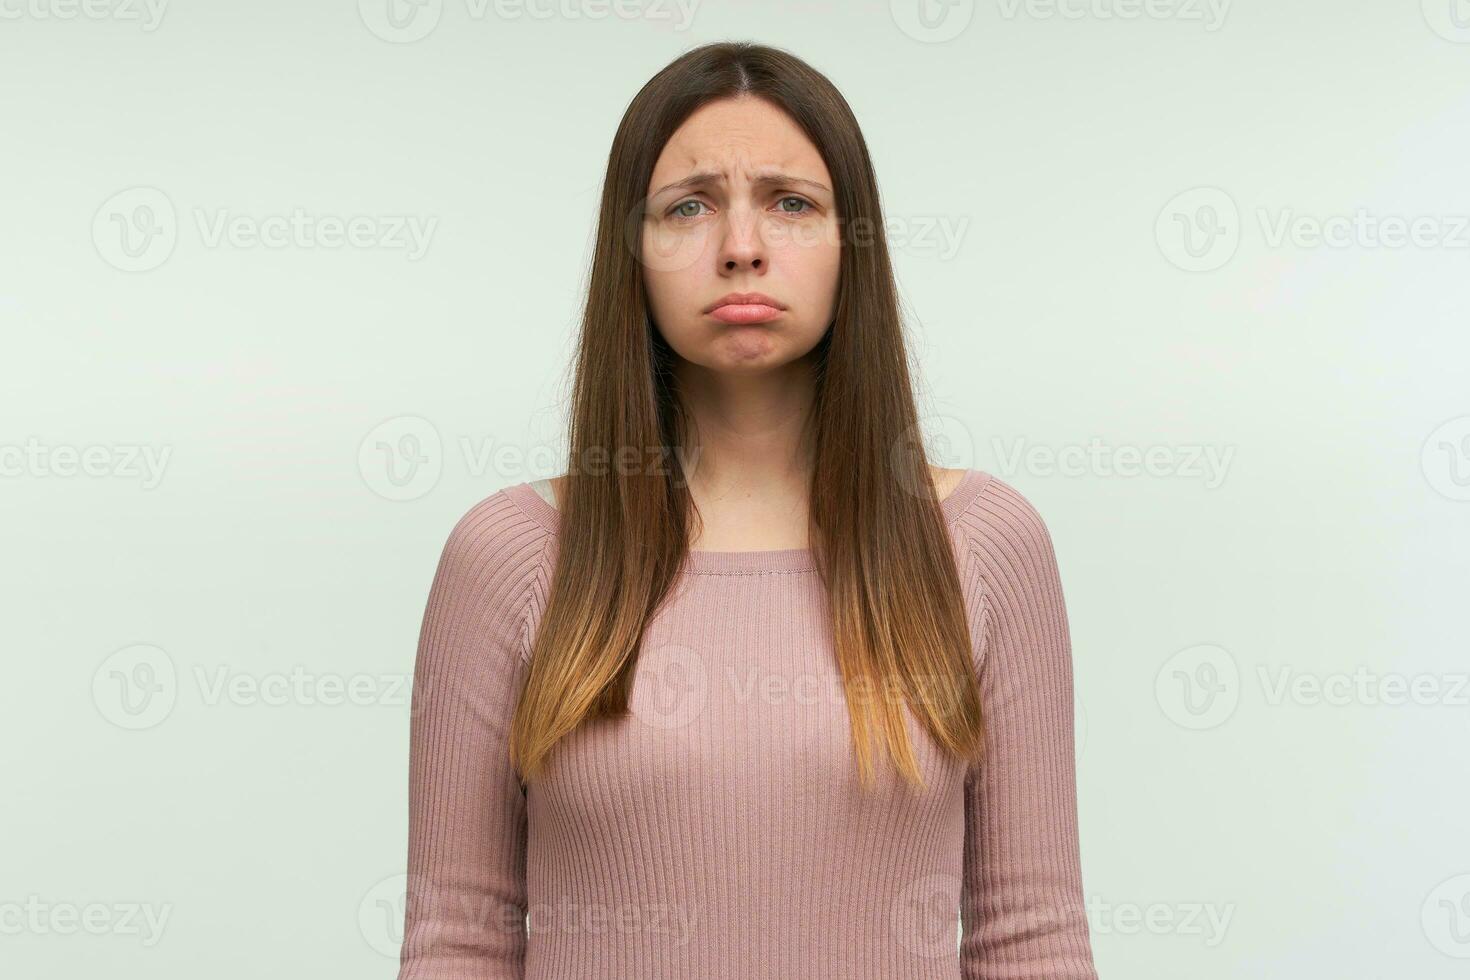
<point x="466" y="902"/>
<point x="1023" y="915"/>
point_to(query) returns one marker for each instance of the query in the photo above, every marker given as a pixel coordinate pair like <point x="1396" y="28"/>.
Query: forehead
<point x="741" y="136"/>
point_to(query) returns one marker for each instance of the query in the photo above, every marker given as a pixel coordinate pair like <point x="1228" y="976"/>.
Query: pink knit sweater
<point x="718" y="831"/>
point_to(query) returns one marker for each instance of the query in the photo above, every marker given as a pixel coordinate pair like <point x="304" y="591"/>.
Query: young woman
<point x="753" y="691"/>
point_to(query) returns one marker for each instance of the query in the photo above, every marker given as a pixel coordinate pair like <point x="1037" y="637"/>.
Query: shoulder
<point x="498" y="526"/>
<point x="496" y="553"/>
<point x="1010" y="578"/>
<point x="1003" y="531"/>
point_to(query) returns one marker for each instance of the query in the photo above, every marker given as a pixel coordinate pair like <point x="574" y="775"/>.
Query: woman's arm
<point x="1022" y="906"/>
<point x="466" y="908"/>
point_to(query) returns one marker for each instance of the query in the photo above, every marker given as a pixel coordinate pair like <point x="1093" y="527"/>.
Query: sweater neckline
<point x="701" y="561"/>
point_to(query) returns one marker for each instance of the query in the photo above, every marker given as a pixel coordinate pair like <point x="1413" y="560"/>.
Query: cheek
<point x="810" y="246"/>
<point x="667" y="252"/>
<point x="814" y="259"/>
<point x="668" y="287"/>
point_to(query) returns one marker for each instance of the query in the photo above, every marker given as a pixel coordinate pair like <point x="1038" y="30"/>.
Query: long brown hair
<point x="876" y="526"/>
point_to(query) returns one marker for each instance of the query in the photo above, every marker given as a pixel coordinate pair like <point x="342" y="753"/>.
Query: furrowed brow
<point x="705" y="178"/>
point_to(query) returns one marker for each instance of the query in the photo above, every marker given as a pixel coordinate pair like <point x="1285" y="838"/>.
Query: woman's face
<point x="740" y="201"/>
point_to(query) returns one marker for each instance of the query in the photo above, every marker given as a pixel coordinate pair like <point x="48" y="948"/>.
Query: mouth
<point x="745" y="308"/>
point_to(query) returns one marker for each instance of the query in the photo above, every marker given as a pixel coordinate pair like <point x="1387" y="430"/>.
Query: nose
<point x="742" y="246"/>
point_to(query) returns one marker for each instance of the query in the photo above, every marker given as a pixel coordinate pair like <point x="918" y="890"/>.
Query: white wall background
<point x="1103" y="217"/>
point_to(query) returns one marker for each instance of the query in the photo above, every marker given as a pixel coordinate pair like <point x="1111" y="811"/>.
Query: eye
<point x="682" y="211"/>
<point x="678" y="209"/>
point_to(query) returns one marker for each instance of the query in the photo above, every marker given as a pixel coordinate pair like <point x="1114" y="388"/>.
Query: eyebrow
<point x="705" y="177"/>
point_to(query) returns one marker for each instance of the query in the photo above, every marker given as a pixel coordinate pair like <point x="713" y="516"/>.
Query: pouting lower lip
<point x="745" y="313"/>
